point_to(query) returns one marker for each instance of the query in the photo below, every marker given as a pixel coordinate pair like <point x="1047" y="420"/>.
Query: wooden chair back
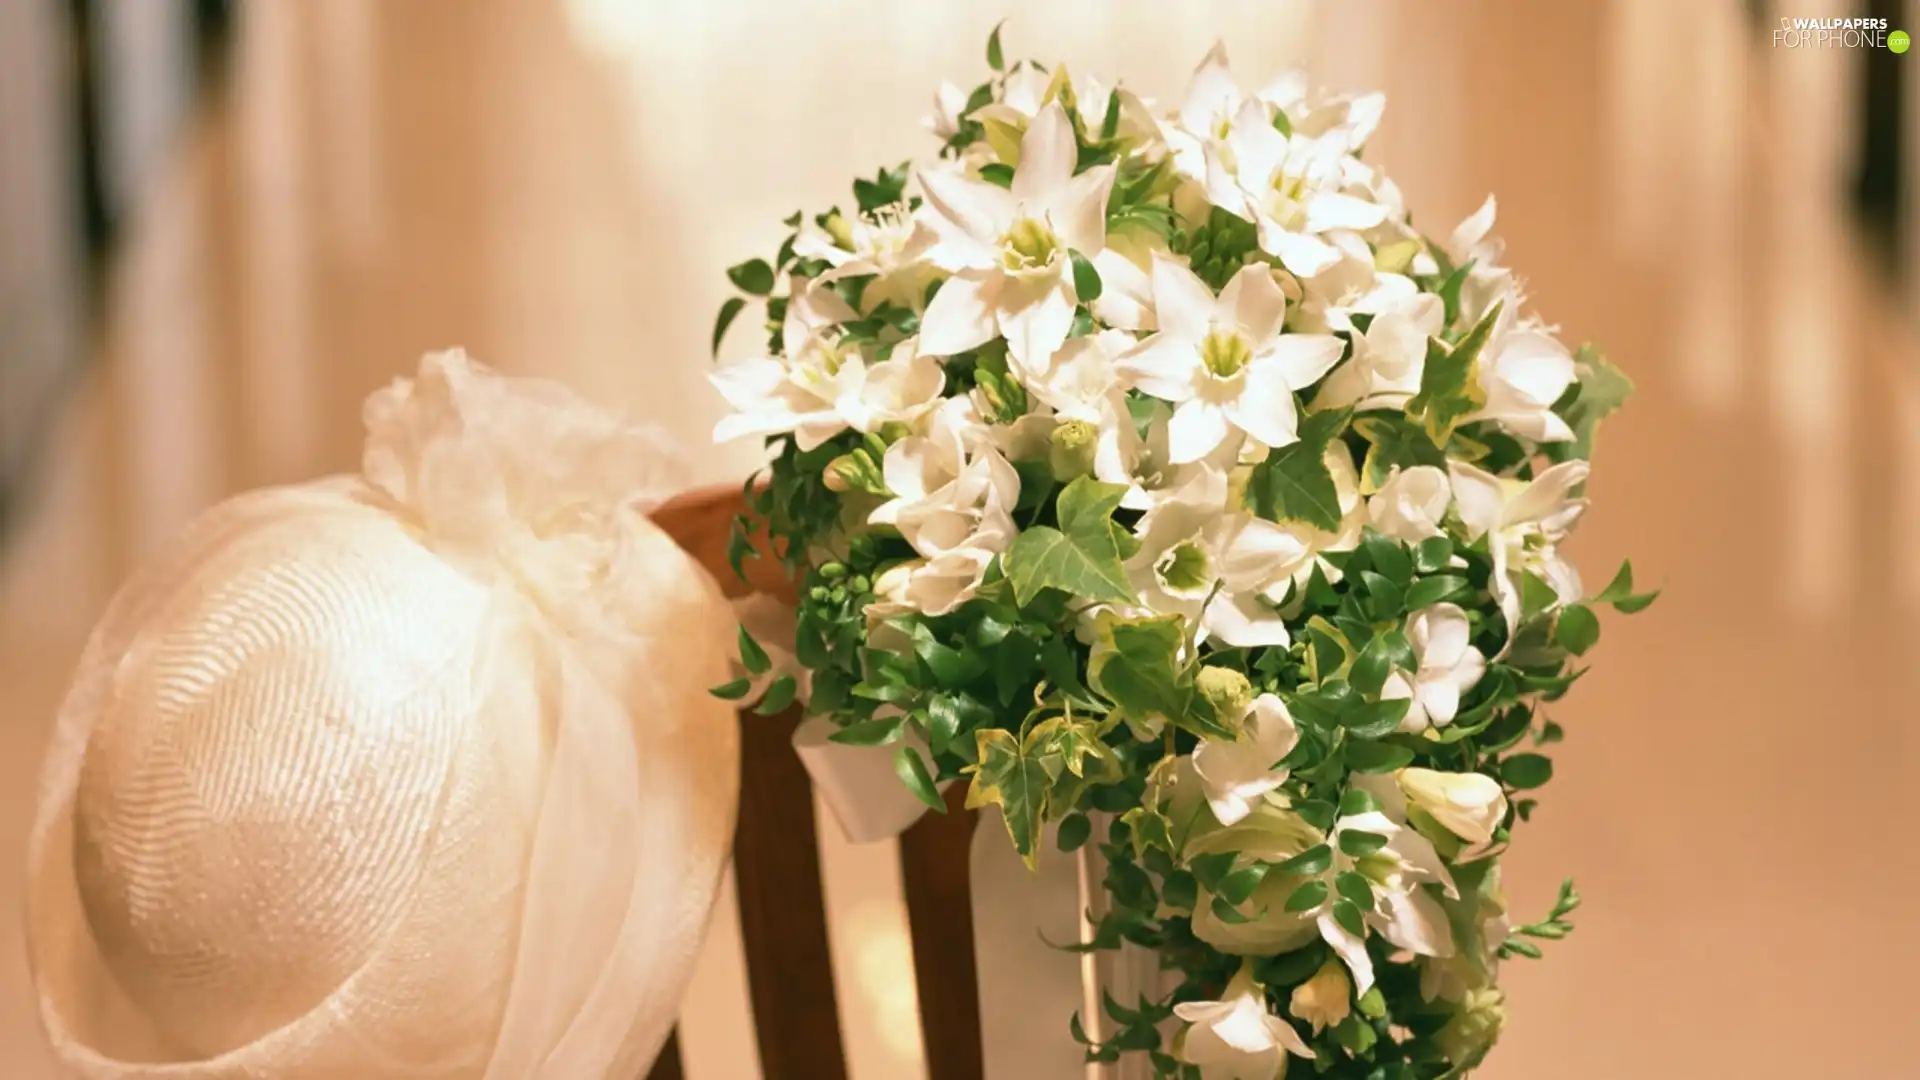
<point x="783" y="922"/>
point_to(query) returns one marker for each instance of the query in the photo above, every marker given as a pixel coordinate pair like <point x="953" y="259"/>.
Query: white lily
<point x="1524" y="523"/>
<point x="1236" y="1038"/>
<point x="1403" y="911"/>
<point x="1224" y="361"/>
<point x="1524" y="372"/>
<point x="1192" y="548"/>
<point x="1237" y="773"/>
<point x="822" y="385"/>
<point x="889" y="245"/>
<point x="1411" y="505"/>
<point x="1446" y="666"/>
<point x="1009" y="249"/>
<point x="949" y="110"/>
<point x="1207" y="113"/>
<point x="1324" y="1000"/>
<point x="1469" y="805"/>
<point x="953" y="496"/>
<point x="1029" y="89"/>
<point x="1390" y="355"/>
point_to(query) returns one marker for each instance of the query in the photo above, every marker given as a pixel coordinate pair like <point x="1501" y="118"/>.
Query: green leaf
<point x="1429" y="591"/>
<point x="752" y="656"/>
<point x="728" y="312"/>
<point x="870" y="732"/>
<point x="1236" y="887"/>
<point x="1576" y="629"/>
<point x="753" y="276"/>
<point x="1394" y="443"/>
<point x="1358" y="801"/>
<point x="1080" y="558"/>
<point x="1307" y="897"/>
<point x="1309" y="863"/>
<point x="1086" y="280"/>
<point x="1294" y="483"/>
<point x="912" y="770"/>
<point x="1227" y="913"/>
<point x="1433" y="554"/>
<point x="1135" y="663"/>
<point x="1450" y="387"/>
<point x="732" y="691"/>
<point x="1523" y="772"/>
<point x="1388" y="557"/>
<point x="1180" y="891"/>
<point x="997" y="173"/>
<point x="1375" y="757"/>
<point x="1598" y="393"/>
<point x="950" y="666"/>
<point x="995" y="59"/>
<point x="1372" y="666"/>
<point x="1357" y="843"/>
<point x="1208" y="869"/>
<point x="779" y="696"/>
<point x="1619" y="592"/>
<point x="1354" y="888"/>
<point x="1009" y="778"/>
<point x="951" y="715"/>
<point x="1074" y="831"/>
<point x="1150" y="829"/>
<point x="1347" y="914"/>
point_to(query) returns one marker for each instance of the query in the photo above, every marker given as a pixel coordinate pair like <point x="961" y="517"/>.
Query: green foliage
<point x="1081" y="557"/>
<point x="1450" y="388"/>
<point x="1294" y="483"/>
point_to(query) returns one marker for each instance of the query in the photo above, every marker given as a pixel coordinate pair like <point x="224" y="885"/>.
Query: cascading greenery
<point x="1158" y="478"/>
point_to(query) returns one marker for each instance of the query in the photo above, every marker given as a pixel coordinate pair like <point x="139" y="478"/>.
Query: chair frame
<point x="783" y="921"/>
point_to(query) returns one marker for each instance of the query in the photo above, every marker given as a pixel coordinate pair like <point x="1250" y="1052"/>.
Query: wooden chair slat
<point x="934" y="860"/>
<point x="783" y="917"/>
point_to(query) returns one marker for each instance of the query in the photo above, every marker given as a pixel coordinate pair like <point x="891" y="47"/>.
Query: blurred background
<point x="223" y="224"/>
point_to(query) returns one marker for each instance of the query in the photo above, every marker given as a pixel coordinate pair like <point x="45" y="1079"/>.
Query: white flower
<point x="890" y="246"/>
<point x="1323" y="1000"/>
<point x="1192" y="548"/>
<point x="1126" y="283"/>
<point x="1469" y="805"/>
<point x="1404" y="912"/>
<point x="1410" y="505"/>
<point x="1236" y="1038"/>
<point x="1447" y="665"/>
<point x="949" y="109"/>
<point x="1390" y="355"/>
<point x="1009" y="249"/>
<point x="1224" y="361"/>
<point x="1029" y="89"/>
<point x="1206" y="114"/>
<point x="822" y="385"/>
<point x="1237" y="773"/>
<point x="1524" y="523"/>
<point x="1524" y="372"/>
<point x="953" y="493"/>
<point x="1291" y="187"/>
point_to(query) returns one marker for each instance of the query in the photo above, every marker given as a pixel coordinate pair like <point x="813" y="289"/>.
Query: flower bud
<point x="855" y="471"/>
<point x="1469" y="805"/>
<point x="1226" y="690"/>
<point x="1325" y="999"/>
<point x="1072" y="445"/>
<point x="1474" y="1029"/>
<point x="840" y="230"/>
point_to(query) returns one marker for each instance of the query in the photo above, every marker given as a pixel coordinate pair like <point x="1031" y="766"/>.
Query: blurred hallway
<point x="559" y="187"/>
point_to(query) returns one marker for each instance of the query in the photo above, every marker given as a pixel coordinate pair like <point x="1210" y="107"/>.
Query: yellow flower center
<point x="1184" y="570"/>
<point x="1029" y="245"/>
<point x="1225" y="352"/>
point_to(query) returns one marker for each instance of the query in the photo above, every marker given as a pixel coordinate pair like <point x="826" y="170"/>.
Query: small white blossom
<point x="1009" y="249"/>
<point x="1410" y="506"/>
<point x="1446" y="666"/>
<point x="1193" y="548"/>
<point x="1524" y="523"/>
<point x="1236" y="1038"/>
<point x="889" y="246"/>
<point x="1404" y="912"/>
<point x="1324" y="1000"/>
<point x="1390" y="355"/>
<point x="1224" y="361"/>
<point x="953" y="493"/>
<point x="1236" y="773"/>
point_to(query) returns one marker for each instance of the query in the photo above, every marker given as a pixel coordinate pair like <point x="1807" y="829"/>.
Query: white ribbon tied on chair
<point x="406" y="774"/>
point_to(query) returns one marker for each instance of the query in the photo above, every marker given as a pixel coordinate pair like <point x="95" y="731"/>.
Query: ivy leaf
<point x="1009" y="778"/>
<point x="1294" y="483"/>
<point x="753" y="276"/>
<point x="912" y="769"/>
<point x="1086" y="280"/>
<point x="1081" y="557"/>
<point x="1450" y="387"/>
<point x="1136" y="664"/>
<point x="728" y="312"/>
<point x="1393" y="443"/>
<point x="1597" y="393"/>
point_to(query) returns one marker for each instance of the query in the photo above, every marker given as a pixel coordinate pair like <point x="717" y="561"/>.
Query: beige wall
<point x="559" y="187"/>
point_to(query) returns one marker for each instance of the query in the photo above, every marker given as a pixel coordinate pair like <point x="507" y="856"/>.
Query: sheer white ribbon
<point x="411" y="774"/>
